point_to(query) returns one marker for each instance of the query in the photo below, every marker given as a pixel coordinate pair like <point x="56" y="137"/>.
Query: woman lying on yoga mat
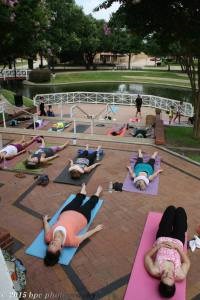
<point x="15" y="149"/>
<point x="143" y="173"/>
<point x="167" y="260"/>
<point x="43" y="155"/>
<point x="73" y="218"/>
<point x="83" y="163"/>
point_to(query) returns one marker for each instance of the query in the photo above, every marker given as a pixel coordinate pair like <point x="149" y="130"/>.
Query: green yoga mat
<point x="20" y="166"/>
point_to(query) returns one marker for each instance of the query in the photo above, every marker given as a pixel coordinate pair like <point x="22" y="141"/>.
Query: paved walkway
<point x="101" y="268"/>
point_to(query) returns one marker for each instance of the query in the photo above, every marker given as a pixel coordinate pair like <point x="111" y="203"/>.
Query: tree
<point x="171" y="22"/>
<point x="23" y="25"/>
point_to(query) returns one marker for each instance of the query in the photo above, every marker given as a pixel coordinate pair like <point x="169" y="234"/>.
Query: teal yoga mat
<point x="38" y="247"/>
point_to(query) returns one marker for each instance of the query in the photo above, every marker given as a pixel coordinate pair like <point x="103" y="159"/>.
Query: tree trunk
<point x="196" y="129"/>
<point x="129" y="61"/>
<point x="30" y="63"/>
<point x="168" y="67"/>
<point x="14" y="65"/>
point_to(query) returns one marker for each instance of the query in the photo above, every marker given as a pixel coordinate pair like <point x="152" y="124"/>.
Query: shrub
<point x="40" y="75"/>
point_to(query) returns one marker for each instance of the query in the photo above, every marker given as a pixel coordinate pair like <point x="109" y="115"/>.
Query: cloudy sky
<point x="89" y="5"/>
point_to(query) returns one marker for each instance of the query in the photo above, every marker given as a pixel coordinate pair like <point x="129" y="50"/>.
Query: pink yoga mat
<point x="141" y="285"/>
<point x="152" y="188"/>
<point x="121" y="134"/>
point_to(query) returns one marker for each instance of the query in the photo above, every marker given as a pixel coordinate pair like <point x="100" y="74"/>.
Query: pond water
<point x="132" y="88"/>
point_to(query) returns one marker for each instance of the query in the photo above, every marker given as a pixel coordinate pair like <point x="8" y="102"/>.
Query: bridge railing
<point x="113" y="98"/>
<point x="11" y="73"/>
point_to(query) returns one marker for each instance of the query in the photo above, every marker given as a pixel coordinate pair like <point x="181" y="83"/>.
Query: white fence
<point x="11" y="73"/>
<point x="112" y="98"/>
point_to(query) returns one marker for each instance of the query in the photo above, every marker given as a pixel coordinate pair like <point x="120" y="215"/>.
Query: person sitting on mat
<point x="15" y="149"/>
<point x="143" y="172"/>
<point x="43" y="155"/>
<point x="38" y="123"/>
<point x="73" y="218"/>
<point x="166" y="259"/>
<point x="83" y="163"/>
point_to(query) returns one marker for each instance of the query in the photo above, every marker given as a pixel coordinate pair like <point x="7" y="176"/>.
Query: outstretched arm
<point x="46" y="224"/>
<point x="152" y="177"/>
<point x="132" y="174"/>
<point x="90" y="233"/>
<point x="46" y="159"/>
<point x="71" y="162"/>
<point x="90" y="168"/>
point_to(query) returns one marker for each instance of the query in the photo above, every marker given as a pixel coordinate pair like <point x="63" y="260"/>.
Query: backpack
<point x="42" y="180"/>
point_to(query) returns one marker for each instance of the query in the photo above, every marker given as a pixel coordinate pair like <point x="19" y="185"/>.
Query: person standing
<point x="138" y="104"/>
<point x="178" y="112"/>
<point x="42" y="109"/>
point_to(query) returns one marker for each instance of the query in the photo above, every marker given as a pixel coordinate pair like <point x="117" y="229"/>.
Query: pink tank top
<point x="165" y="253"/>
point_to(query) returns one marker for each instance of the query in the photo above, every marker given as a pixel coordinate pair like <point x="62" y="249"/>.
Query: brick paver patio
<point x="102" y="266"/>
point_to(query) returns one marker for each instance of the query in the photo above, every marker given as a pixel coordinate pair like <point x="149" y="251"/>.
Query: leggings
<point x="85" y="209"/>
<point x="90" y="156"/>
<point x="173" y="224"/>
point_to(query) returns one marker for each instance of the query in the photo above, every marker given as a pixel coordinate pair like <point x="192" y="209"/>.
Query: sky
<point x="89" y="5"/>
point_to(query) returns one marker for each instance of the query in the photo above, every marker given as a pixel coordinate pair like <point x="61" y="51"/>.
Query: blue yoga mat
<point x="38" y="247"/>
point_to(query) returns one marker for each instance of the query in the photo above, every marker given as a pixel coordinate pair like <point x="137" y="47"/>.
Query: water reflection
<point x="150" y="89"/>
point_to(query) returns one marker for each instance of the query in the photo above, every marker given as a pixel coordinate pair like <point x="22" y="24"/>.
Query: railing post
<point x="4" y="120"/>
<point x="92" y="126"/>
<point x="74" y="127"/>
<point x="61" y="110"/>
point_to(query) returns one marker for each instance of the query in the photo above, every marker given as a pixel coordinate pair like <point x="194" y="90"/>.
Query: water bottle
<point x="98" y="156"/>
<point x="74" y="140"/>
<point x="110" y="187"/>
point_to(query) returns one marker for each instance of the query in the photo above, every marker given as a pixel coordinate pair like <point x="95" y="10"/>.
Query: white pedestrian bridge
<point x="112" y="98"/>
<point x="7" y="74"/>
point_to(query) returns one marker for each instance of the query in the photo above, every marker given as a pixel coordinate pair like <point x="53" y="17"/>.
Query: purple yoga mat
<point x="152" y="188"/>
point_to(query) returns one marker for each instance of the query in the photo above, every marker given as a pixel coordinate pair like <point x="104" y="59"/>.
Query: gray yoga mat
<point x="80" y="128"/>
<point x="64" y="176"/>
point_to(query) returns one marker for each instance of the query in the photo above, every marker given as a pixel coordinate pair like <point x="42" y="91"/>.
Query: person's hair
<point x="32" y="164"/>
<point x="51" y="258"/>
<point x="167" y="291"/>
<point x="75" y="174"/>
<point x="140" y="184"/>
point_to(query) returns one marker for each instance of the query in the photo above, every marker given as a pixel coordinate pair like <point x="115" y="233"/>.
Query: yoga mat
<point x="114" y="109"/>
<point x="113" y="129"/>
<point x="80" y="128"/>
<point x="152" y="188"/>
<point x="20" y="166"/>
<point x="38" y="247"/>
<point x="64" y="176"/>
<point x="141" y="285"/>
<point x="60" y="129"/>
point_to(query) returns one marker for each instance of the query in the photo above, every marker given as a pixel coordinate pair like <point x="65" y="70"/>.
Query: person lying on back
<point x="84" y="163"/>
<point x="143" y="173"/>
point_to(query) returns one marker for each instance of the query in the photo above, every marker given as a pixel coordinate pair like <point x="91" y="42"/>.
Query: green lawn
<point x="181" y="137"/>
<point x="152" y="76"/>
<point x="10" y="97"/>
<point x="195" y="157"/>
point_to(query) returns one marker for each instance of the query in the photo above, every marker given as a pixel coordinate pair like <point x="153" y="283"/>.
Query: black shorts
<point x="138" y="108"/>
